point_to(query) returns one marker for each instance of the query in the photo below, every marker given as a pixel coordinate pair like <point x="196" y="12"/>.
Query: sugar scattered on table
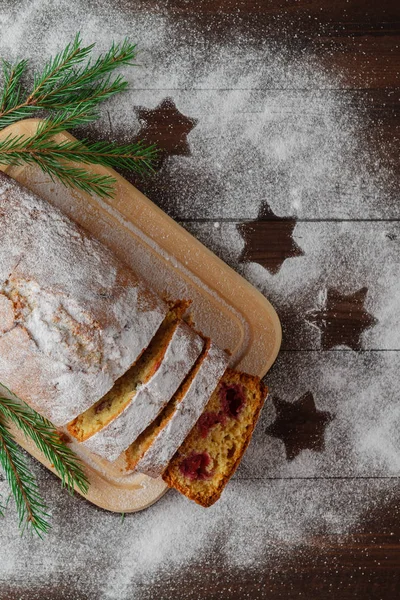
<point x="274" y="128"/>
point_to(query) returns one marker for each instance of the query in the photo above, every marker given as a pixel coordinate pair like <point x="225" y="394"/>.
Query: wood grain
<point x="378" y="129"/>
<point x="360" y="40"/>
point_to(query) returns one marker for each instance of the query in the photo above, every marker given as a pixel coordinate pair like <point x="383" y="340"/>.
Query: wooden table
<point x="331" y="349"/>
<point x="361" y="41"/>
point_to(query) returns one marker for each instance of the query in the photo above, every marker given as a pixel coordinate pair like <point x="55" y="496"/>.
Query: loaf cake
<point x="114" y="422"/>
<point x="154" y="448"/>
<point x="212" y="451"/>
<point x="73" y="317"/>
<point x="90" y="347"/>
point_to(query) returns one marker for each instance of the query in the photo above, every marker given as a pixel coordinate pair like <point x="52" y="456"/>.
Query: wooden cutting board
<point x="224" y="305"/>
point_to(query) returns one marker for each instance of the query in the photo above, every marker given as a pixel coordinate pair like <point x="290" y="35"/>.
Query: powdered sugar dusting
<point x="264" y="115"/>
<point x="346" y="256"/>
<point x="156" y="458"/>
<point x="358" y="390"/>
<point x="275" y="127"/>
<point x="255" y="523"/>
<point x="150" y="397"/>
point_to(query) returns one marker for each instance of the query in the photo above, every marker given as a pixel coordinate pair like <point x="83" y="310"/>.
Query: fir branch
<point x="91" y="83"/>
<point x="31" y="509"/>
<point x="57" y="158"/>
<point x="70" y="176"/>
<point x="12" y="75"/>
<point x="54" y="72"/>
<point x="71" y="86"/>
<point x="20" y="150"/>
<point x="134" y="156"/>
<point x="69" y="119"/>
<point x="48" y="440"/>
<point x="57" y="69"/>
<point x="66" y="81"/>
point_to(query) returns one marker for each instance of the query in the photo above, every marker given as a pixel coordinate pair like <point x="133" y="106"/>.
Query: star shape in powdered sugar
<point x="166" y="127"/>
<point x="300" y="425"/>
<point x="269" y="240"/>
<point x="343" y="319"/>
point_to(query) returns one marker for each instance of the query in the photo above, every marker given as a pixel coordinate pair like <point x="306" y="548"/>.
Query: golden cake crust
<point x="209" y="495"/>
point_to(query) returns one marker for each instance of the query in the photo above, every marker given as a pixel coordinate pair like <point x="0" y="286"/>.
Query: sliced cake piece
<point x="112" y="424"/>
<point x="154" y="448"/>
<point x="211" y="453"/>
<point x="92" y="420"/>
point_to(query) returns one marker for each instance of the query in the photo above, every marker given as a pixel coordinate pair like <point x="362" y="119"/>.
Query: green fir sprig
<point x="65" y="82"/>
<point x="57" y="158"/>
<point x="68" y="92"/>
<point x="70" y="88"/>
<point x="31" y="508"/>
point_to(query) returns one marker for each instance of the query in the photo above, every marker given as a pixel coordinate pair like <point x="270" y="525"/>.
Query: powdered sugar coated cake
<point x="73" y="317"/>
<point x="153" y="450"/>
<point x="151" y="397"/>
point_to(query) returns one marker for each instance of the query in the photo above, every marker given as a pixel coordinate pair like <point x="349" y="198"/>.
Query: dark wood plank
<point x="330" y="414"/>
<point x="321" y="473"/>
<point x="338" y="538"/>
<point x="356" y="11"/>
<point x="193" y="182"/>
<point x="336" y="286"/>
<point x="357" y="37"/>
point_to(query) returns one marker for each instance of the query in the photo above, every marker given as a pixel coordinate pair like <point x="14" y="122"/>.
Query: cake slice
<point x="114" y="422"/>
<point x="211" y="453"/>
<point x="154" y="448"/>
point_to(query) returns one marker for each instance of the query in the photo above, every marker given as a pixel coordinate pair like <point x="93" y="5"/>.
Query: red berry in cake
<point x="232" y="399"/>
<point x="208" y="420"/>
<point x="194" y="466"/>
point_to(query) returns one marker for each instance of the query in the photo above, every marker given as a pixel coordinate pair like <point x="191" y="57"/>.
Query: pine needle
<point x="71" y="86"/>
<point x="31" y="509"/>
<point x="89" y="84"/>
<point x="48" y="440"/>
<point x="65" y="82"/>
<point x="11" y="95"/>
<point x="57" y="158"/>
